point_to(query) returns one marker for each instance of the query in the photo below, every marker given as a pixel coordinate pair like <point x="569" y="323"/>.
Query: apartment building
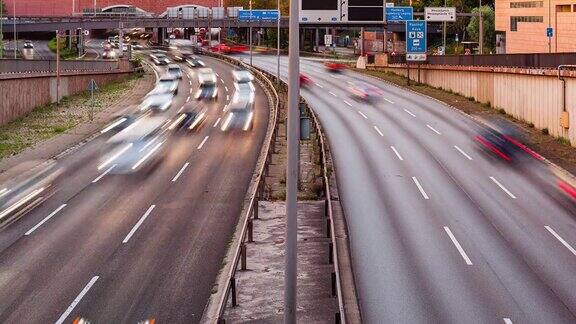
<point x="523" y="26"/>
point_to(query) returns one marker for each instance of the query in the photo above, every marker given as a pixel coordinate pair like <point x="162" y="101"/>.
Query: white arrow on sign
<point x="86" y="32"/>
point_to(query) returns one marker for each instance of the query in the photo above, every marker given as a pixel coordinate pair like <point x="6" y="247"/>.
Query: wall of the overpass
<point x="20" y="94"/>
<point x="64" y="7"/>
<point x="534" y="96"/>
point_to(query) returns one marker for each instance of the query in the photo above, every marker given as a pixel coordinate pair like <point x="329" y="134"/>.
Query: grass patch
<point x="50" y="120"/>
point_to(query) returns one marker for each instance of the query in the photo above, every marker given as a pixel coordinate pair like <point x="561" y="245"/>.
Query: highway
<point x="113" y="248"/>
<point x="440" y="231"/>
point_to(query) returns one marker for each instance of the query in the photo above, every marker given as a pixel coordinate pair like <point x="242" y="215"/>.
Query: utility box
<point x="565" y="120"/>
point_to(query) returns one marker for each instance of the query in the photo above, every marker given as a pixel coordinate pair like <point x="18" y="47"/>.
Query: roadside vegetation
<point x="65" y="52"/>
<point x="556" y="150"/>
<point x="51" y="120"/>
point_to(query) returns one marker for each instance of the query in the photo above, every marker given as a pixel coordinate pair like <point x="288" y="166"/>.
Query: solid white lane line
<point x="76" y="300"/>
<point x="332" y="93"/>
<point x="203" y="141"/>
<point x="559" y="238"/>
<point x="420" y="188"/>
<point x="409" y="112"/>
<point x="399" y="156"/>
<point x="140" y="221"/>
<point x="217" y="121"/>
<point x="507" y="320"/>
<point x="180" y="172"/>
<point x="45" y="219"/>
<point x="458" y="246"/>
<point x="390" y="101"/>
<point x="320" y="86"/>
<point x="503" y="188"/>
<point x="365" y="117"/>
<point x="433" y="129"/>
<point x="378" y="130"/>
<point x="103" y="174"/>
<point x="463" y="153"/>
<point x="346" y="102"/>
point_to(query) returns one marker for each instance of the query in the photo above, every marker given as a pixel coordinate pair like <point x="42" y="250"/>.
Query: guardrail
<point x="537" y="60"/>
<point x="246" y="237"/>
<point x="257" y="191"/>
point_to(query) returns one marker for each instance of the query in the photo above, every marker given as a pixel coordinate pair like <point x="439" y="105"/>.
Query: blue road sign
<point x="416" y="36"/>
<point x="399" y="13"/>
<point x="549" y="32"/>
<point x="265" y="15"/>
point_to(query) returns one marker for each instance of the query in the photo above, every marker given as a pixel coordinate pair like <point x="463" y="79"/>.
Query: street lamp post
<point x="444" y="34"/>
<point x="293" y="133"/>
<point x="1" y="31"/>
<point x="481" y="29"/>
<point x="14" y="32"/>
<point x="278" y="45"/>
<point x="250" y="31"/>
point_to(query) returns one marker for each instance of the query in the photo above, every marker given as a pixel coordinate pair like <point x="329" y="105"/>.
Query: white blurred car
<point x="365" y="91"/>
<point x="157" y="102"/>
<point x="208" y="88"/>
<point x="175" y="71"/>
<point x="166" y="84"/>
<point x="242" y="76"/>
<point x="240" y="110"/>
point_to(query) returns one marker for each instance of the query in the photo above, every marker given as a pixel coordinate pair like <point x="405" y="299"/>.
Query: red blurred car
<point x="221" y="48"/>
<point x="335" y="67"/>
<point x="305" y="81"/>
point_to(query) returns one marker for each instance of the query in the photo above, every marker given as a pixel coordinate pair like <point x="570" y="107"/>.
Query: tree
<point x="489" y="28"/>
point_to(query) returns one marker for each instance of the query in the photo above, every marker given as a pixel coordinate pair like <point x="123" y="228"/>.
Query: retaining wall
<point x="21" y="94"/>
<point x="531" y="95"/>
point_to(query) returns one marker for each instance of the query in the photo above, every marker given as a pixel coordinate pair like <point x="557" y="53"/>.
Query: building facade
<point x="37" y="8"/>
<point x="523" y="26"/>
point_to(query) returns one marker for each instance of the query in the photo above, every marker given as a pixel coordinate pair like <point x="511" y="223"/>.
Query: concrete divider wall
<point x="20" y="95"/>
<point x="531" y="95"/>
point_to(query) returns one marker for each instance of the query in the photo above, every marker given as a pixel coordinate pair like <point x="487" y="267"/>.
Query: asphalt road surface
<point x="126" y="248"/>
<point x="440" y="231"/>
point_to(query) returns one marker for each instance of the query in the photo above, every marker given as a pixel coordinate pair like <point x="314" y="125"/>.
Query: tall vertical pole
<point x="481" y="27"/>
<point x="444" y="34"/>
<point x="1" y="31"/>
<point x="57" y="68"/>
<point x="94" y="8"/>
<point x="385" y="37"/>
<point x="250" y="31"/>
<point x="278" y="44"/>
<point x="73" y="7"/>
<point x="14" y="33"/>
<point x="549" y="25"/>
<point x="293" y="134"/>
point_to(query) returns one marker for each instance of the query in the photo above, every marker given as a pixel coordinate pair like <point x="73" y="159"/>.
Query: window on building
<point x="527" y="4"/>
<point x="514" y="20"/>
<point x="563" y="8"/>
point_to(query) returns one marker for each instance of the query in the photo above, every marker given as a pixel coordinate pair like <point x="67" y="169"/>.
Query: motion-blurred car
<point x="174" y="71"/>
<point x="136" y="46"/>
<point x="166" y="84"/>
<point x="221" y="48"/>
<point x="242" y="76"/>
<point x="109" y="54"/>
<point x="28" y="44"/>
<point x="28" y="189"/>
<point x="335" y="67"/>
<point x="240" y="110"/>
<point x="208" y="88"/>
<point x="504" y="143"/>
<point x="137" y="147"/>
<point x="305" y="81"/>
<point x="160" y="59"/>
<point x="157" y="102"/>
<point x="191" y="118"/>
<point x="364" y="91"/>
<point x="194" y="62"/>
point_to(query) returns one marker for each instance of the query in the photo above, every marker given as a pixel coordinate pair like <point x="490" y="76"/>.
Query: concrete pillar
<point x="361" y="41"/>
<point x="160" y="35"/>
<point x="70" y="35"/>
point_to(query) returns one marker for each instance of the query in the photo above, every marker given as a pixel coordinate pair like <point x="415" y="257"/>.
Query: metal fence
<point x="539" y="60"/>
<point x="49" y="66"/>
